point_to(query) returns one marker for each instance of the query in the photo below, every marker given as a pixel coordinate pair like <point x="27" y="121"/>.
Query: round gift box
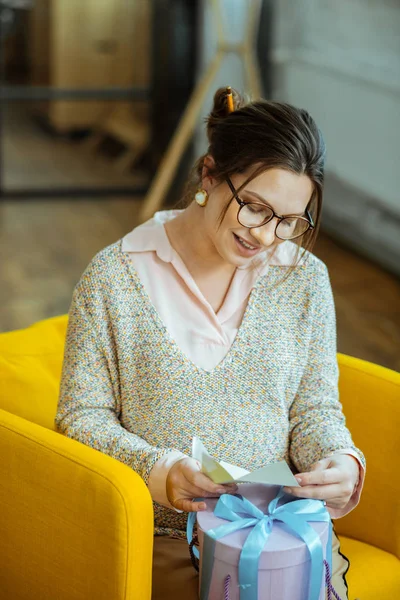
<point x="284" y="567"/>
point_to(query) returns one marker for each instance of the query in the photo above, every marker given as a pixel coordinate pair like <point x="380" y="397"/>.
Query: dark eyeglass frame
<point x="308" y="218"/>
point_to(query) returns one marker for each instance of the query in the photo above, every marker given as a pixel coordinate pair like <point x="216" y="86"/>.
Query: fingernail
<point x="221" y="491"/>
<point x="298" y="479"/>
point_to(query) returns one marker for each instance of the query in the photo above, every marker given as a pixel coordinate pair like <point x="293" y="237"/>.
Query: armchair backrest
<point x="30" y="370"/>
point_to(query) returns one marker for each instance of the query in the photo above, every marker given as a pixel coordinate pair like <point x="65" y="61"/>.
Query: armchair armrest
<point x="75" y="524"/>
<point x="370" y="395"/>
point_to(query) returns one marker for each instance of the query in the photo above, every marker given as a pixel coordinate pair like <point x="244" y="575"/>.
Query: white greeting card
<point x="277" y="473"/>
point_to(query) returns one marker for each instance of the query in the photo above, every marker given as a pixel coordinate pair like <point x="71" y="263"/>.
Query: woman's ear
<point x="206" y="177"/>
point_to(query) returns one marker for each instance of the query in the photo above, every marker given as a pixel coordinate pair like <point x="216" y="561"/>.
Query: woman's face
<point x="285" y="192"/>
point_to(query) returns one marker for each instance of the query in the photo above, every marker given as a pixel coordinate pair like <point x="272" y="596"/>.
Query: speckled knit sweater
<point x="129" y="391"/>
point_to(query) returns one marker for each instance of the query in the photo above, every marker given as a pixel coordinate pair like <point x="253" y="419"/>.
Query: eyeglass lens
<point x="254" y="215"/>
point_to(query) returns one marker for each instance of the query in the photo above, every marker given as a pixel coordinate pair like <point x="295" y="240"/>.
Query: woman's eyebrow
<point x="267" y="203"/>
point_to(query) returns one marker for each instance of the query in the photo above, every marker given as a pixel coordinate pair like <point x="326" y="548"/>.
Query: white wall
<point x="341" y="61"/>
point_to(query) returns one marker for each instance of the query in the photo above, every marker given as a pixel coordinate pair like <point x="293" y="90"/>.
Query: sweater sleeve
<point x="317" y="423"/>
<point x="89" y="402"/>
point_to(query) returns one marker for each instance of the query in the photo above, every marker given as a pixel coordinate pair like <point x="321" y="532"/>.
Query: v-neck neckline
<point x="189" y="281"/>
<point x="161" y="325"/>
<point x="177" y="262"/>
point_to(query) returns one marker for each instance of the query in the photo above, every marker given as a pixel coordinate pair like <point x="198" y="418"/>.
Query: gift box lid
<point x="283" y="548"/>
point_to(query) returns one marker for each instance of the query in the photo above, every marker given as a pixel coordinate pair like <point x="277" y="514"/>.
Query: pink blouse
<point x="203" y="335"/>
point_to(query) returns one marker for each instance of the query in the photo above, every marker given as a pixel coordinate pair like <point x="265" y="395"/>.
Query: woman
<point x="217" y="321"/>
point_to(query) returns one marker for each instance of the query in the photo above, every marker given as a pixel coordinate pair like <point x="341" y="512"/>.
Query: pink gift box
<point x="284" y="567"/>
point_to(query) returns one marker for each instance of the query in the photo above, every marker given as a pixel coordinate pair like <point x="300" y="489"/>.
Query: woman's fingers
<point x="332" y="479"/>
<point x="200" y="480"/>
<point x="186" y="473"/>
<point x="321" y="492"/>
<point x="205" y="494"/>
<point x="188" y="505"/>
<point x="194" y="493"/>
<point x="337" y="503"/>
<point x="186" y="498"/>
<point x="317" y="492"/>
<point x="186" y="482"/>
<point x="191" y="491"/>
<point x="321" y="477"/>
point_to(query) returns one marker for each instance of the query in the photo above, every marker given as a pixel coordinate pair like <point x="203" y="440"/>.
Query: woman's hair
<point x="265" y="135"/>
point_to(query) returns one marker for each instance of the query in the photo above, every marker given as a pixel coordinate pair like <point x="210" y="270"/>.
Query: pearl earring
<point x="201" y="197"/>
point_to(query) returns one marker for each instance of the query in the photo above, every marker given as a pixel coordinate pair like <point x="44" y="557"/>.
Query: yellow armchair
<point x="76" y="524"/>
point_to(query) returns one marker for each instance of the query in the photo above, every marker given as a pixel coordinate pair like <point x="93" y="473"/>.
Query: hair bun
<point x="220" y="108"/>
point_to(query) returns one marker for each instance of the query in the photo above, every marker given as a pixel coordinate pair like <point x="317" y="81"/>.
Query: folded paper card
<point x="277" y="473"/>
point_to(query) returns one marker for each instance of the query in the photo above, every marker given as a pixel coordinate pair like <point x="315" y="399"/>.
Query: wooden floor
<point x="34" y="158"/>
<point x="45" y="246"/>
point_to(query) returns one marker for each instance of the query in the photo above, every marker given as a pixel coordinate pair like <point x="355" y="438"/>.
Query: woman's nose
<point x="265" y="235"/>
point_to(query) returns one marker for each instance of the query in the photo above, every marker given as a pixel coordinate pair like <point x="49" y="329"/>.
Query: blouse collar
<point x="151" y="236"/>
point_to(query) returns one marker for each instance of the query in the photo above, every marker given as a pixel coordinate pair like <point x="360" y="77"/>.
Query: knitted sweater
<point x="129" y="391"/>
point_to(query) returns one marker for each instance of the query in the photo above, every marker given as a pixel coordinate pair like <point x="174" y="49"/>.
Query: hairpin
<point x="229" y="100"/>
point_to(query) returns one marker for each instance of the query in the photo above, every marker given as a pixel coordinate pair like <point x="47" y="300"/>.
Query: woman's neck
<point x="186" y="234"/>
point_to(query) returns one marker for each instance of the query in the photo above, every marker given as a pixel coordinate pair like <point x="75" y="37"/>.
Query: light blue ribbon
<point x="242" y="514"/>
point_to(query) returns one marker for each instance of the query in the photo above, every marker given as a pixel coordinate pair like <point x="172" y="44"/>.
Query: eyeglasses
<point x="257" y="214"/>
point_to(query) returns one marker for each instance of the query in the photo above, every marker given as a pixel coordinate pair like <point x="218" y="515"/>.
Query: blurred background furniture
<point x="125" y="126"/>
<point x="77" y="524"/>
<point x="117" y="71"/>
<point x="89" y="44"/>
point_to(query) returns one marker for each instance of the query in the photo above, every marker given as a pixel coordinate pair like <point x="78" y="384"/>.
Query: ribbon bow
<point x="242" y="514"/>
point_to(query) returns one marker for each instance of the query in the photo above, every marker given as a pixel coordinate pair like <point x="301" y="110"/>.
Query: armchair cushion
<point x="373" y="572"/>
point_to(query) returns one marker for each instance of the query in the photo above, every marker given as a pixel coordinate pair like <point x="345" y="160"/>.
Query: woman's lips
<point x="242" y="249"/>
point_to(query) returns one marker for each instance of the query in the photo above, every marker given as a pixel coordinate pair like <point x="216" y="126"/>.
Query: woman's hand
<point x="331" y="479"/>
<point x="185" y="481"/>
